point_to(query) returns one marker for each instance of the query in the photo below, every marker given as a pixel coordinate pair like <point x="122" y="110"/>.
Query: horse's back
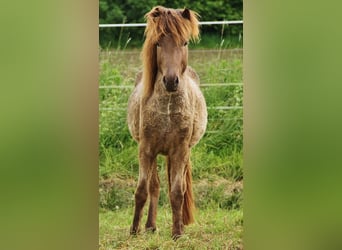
<point x="200" y="109"/>
<point x="193" y="75"/>
<point x="133" y="112"/>
<point x="138" y="78"/>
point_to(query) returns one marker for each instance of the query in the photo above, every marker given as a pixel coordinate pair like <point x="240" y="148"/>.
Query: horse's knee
<point x="154" y="192"/>
<point x="141" y="193"/>
<point x="176" y="197"/>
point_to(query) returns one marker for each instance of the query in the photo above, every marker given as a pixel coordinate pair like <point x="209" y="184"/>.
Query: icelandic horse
<point x="167" y="115"/>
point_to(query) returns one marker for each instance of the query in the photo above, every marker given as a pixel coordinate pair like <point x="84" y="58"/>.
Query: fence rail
<point x="201" y="85"/>
<point x="144" y="24"/>
<point x="217" y="108"/>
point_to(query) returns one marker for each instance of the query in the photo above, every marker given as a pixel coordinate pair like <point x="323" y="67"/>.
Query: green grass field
<point x="217" y="159"/>
<point x="213" y="229"/>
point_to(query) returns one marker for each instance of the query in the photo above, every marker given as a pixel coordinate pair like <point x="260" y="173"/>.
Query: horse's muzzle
<point x="171" y="83"/>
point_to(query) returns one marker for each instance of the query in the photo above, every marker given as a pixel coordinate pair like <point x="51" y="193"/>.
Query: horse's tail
<point x="188" y="205"/>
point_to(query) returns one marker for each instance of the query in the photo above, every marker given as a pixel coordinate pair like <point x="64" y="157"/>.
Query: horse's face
<point x="172" y="61"/>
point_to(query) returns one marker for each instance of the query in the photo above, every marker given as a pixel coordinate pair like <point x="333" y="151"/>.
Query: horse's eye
<point x="186" y="43"/>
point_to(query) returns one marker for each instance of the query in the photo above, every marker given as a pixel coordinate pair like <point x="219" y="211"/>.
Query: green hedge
<point x="133" y="11"/>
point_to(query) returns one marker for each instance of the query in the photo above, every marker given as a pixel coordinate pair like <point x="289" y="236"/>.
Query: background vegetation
<point x="133" y="11"/>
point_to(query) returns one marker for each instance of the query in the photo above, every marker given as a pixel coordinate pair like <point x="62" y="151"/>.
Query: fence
<point x="144" y="24"/>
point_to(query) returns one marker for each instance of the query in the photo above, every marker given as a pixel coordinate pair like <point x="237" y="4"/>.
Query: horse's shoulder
<point x="193" y="75"/>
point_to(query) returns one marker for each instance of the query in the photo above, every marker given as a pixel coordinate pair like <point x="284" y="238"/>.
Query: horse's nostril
<point x="171" y="82"/>
<point x="170" y="79"/>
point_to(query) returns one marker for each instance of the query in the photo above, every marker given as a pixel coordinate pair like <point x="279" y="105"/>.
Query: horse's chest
<point x="168" y="118"/>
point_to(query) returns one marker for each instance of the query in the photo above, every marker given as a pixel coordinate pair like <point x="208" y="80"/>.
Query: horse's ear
<point x="186" y="13"/>
<point x="155" y="12"/>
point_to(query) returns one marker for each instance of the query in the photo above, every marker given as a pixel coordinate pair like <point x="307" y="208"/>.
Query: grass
<point x="217" y="159"/>
<point x="213" y="229"/>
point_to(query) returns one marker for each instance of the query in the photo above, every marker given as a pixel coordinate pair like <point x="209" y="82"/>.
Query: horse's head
<point x="172" y="60"/>
<point x="165" y="50"/>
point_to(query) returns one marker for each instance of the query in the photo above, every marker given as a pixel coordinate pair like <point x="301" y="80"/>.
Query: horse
<point x="166" y="115"/>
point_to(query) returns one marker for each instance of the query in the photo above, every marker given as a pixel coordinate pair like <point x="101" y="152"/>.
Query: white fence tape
<point x="144" y="24"/>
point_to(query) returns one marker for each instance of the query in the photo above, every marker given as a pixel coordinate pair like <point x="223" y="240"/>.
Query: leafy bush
<point x="218" y="192"/>
<point x="133" y="11"/>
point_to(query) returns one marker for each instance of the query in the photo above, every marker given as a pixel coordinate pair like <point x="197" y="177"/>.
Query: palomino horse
<point x="167" y="115"/>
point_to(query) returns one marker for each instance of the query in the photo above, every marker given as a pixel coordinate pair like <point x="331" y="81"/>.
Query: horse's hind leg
<point x="154" y="197"/>
<point x="141" y="194"/>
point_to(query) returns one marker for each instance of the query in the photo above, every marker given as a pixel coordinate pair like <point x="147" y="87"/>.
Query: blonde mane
<point x="181" y="24"/>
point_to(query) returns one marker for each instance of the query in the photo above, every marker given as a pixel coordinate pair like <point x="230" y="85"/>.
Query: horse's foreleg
<point x="141" y="193"/>
<point x="154" y="197"/>
<point x="177" y="167"/>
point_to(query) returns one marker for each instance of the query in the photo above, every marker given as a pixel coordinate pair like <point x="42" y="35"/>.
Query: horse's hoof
<point x="176" y="234"/>
<point x="133" y="231"/>
<point x="151" y="229"/>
